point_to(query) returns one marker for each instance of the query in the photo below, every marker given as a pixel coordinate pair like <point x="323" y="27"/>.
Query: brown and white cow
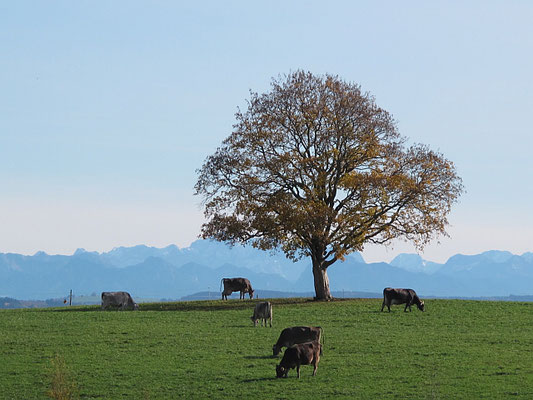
<point x="122" y="300"/>
<point x="262" y="311"/>
<point x="300" y="354"/>
<point x="297" y="334"/>
<point x="241" y="285"/>
<point x="401" y="296"/>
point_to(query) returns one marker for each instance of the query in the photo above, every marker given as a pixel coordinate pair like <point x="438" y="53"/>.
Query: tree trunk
<point x="321" y="281"/>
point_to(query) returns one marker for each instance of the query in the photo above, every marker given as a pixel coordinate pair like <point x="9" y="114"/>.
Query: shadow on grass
<point x="260" y="357"/>
<point x="236" y="326"/>
<point x="202" y="305"/>
<point x="71" y="309"/>
<point x="273" y="378"/>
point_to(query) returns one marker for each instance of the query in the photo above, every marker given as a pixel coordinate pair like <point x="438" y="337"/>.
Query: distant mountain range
<point x="172" y="273"/>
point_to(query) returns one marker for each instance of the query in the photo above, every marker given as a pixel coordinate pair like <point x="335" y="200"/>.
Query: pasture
<point x="198" y="350"/>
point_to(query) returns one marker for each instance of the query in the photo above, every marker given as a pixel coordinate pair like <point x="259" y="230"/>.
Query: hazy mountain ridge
<point x="171" y="272"/>
<point x="208" y="253"/>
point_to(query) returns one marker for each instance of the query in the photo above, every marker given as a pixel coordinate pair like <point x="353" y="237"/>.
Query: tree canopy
<point x="315" y="168"/>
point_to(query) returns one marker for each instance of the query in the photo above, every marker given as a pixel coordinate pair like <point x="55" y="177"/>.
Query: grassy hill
<point x="456" y="349"/>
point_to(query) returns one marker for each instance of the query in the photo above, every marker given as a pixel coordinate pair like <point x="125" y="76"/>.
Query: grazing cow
<point x="401" y="296"/>
<point x="297" y="334"/>
<point x="122" y="300"/>
<point x="262" y="311"/>
<point x="241" y="285"/>
<point x="299" y="354"/>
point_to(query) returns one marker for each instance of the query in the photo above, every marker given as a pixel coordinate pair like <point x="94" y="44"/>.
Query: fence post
<point x="70" y="298"/>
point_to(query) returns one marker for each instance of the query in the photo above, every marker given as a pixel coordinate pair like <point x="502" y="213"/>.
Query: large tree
<point x="315" y="168"/>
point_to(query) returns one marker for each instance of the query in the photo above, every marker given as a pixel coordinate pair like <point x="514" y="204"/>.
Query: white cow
<point x="122" y="300"/>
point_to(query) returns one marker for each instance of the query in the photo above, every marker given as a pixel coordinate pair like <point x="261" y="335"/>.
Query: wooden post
<point x="70" y="298"/>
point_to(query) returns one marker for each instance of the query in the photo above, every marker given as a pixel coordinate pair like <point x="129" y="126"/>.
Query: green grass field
<point x="455" y="350"/>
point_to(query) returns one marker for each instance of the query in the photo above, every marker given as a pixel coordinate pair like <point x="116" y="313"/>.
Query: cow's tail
<point x="321" y="339"/>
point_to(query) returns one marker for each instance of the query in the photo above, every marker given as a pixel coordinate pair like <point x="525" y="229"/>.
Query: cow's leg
<point x="271" y="321"/>
<point x="298" y="370"/>
<point x="410" y="301"/>
<point x="383" y="305"/>
<point x="315" y="365"/>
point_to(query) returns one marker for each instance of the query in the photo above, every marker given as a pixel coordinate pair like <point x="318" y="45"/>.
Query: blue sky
<point x="108" y="108"/>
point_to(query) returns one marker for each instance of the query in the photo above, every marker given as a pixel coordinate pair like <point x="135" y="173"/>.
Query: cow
<point x="401" y="296"/>
<point x="297" y="334"/>
<point x="122" y="300"/>
<point x="262" y="311"/>
<point x="299" y="354"/>
<point x="241" y="285"/>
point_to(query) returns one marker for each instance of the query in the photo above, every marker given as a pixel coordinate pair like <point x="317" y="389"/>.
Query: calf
<point x="401" y="296"/>
<point x="297" y="334"/>
<point x="299" y="354"/>
<point x="262" y="311"/>
<point x="241" y="285"/>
